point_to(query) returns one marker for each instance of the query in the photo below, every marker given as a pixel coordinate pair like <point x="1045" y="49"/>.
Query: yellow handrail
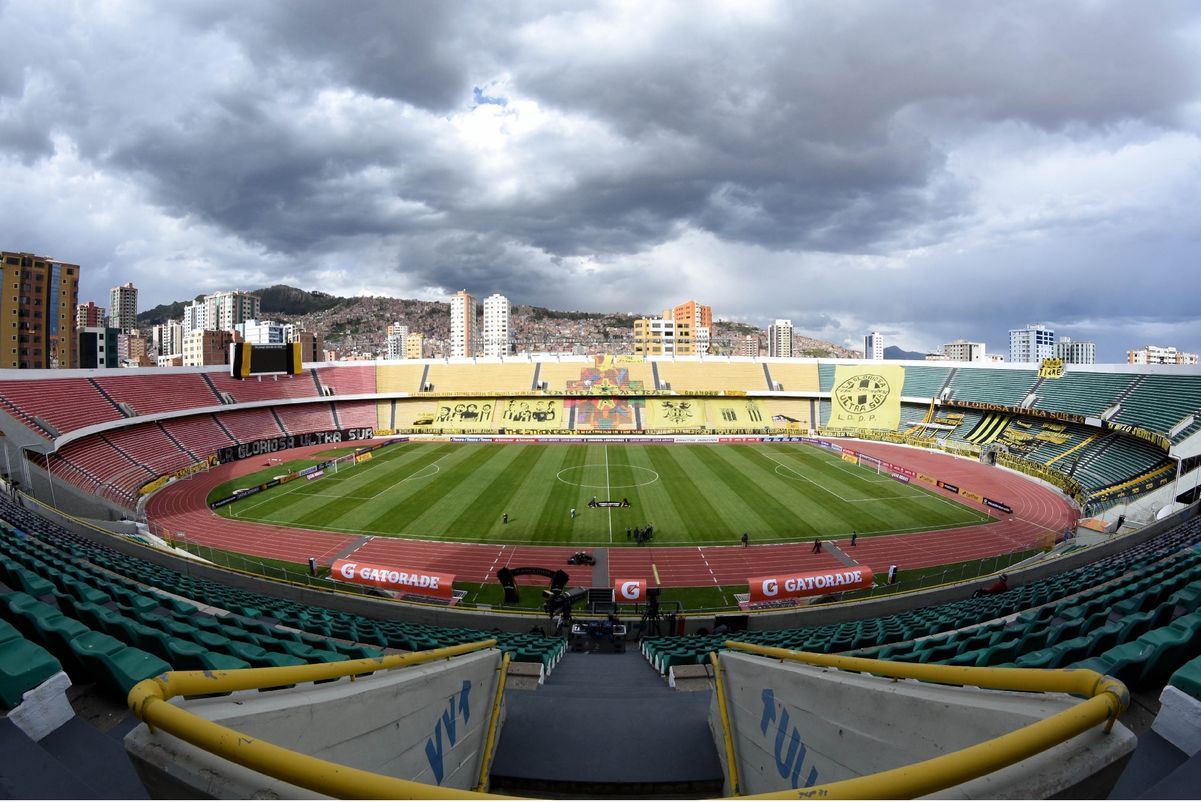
<point x="148" y="701"/>
<point x="727" y="735"/>
<point x="490" y="739"/>
<point x="1107" y="698"/>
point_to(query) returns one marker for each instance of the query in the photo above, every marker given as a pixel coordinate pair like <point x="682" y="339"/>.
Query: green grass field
<point x="691" y="493"/>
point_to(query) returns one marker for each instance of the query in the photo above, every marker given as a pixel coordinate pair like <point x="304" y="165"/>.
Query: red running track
<point x="1037" y="511"/>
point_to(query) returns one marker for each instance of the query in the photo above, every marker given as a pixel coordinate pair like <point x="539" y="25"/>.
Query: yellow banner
<point x="734" y="413"/>
<point x="1051" y="368"/>
<point x="675" y="413"/>
<point x="866" y="397"/>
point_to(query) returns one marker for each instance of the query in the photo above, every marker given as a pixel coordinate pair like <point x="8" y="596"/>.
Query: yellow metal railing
<point x="490" y="739"/>
<point x="727" y="733"/>
<point x="148" y="701"/>
<point x="1105" y="699"/>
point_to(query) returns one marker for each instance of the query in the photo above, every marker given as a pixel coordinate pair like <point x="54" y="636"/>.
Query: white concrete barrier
<point x="426" y="723"/>
<point x="795" y="726"/>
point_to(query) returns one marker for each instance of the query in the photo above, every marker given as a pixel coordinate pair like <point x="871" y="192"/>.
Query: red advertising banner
<point x="810" y="583"/>
<point x="401" y="580"/>
<point x="629" y="591"/>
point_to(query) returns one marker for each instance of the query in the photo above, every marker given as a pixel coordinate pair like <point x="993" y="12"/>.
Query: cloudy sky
<point x="930" y="170"/>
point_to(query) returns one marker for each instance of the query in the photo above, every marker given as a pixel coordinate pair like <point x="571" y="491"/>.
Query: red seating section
<point x="251" y="424"/>
<point x="303" y="418"/>
<point x="66" y="404"/>
<point x="351" y="380"/>
<point x="168" y="392"/>
<point x="356" y="414"/>
<point x="267" y="388"/>
<point x="200" y="434"/>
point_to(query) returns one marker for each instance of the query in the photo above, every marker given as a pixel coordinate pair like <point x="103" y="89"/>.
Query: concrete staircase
<point x="605" y="724"/>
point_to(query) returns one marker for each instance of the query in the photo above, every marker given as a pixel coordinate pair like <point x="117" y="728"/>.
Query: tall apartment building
<point x="496" y="325"/>
<point x="873" y="346"/>
<point x="167" y="338"/>
<point x="1157" y="355"/>
<point x="1034" y="343"/>
<point x="38" y="298"/>
<point x="654" y="336"/>
<point x="700" y="316"/>
<point x="395" y="341"/>
<point x="123" y="307"/>
<point x="1076" y="352"/>
<point x="312" y="344"/>
<point x="90" y="316"/>
<point x="220" y="311"/>
<point x="964" y="351"/>
<point x="463" y="334"/>
<point x="779" y="338"/>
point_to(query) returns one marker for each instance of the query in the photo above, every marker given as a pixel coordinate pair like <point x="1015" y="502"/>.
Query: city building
<point x="700" y="316"/>
<point x="1157" y="355"/>
<point x="261" y="332"/>
<point x="207" y="347"/>
<point x="873" y="346"/>
<point x="395" y="341"/>
<point x="414" y="343"/>
<point x="220" y="311"/>
<point x="37" y="311"/>
<point x="496" y="325"/>
<point x="748" y="345"/>
<point x="463" y="333"/>
<point x="133" y="351"/>
<point x="964" y="351"/>
<point x="312" y="345"/>
<point x="166" y="339"/>
<point x="779" y="338"/>
<point x="123" y="307"/>
<point x="1076" y="352"/>
<point x="98" y="347"/>
<point x="1034" y="343"/>
<point x="663" y="335"/>
<point x="90" y="316"/>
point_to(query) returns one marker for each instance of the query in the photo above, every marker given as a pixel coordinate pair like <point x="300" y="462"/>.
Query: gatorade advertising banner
<point x="401" y="580"/>
<point x="629" y="591"/>
<point x="811" y="583"/>
<point x="866" y="397"/>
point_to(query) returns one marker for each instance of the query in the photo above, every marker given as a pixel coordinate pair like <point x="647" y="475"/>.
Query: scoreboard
<point x="258" y="360"/>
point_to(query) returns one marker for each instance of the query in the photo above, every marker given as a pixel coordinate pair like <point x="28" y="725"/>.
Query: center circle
<point x="654" y="476"/>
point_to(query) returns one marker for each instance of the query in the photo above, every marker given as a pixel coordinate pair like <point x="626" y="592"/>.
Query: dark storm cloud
<point x="540" y="149"/>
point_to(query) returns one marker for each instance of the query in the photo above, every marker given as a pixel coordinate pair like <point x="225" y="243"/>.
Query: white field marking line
<point x="608" y="493"/>
<point x="414" y="475"/>
<point x="299" y="484"/>
<point x="803" y="476"/>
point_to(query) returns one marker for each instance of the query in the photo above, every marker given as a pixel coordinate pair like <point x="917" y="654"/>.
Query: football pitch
<point x="692" y="494"/>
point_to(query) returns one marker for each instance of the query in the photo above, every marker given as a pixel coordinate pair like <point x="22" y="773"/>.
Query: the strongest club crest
<point x="862" y="394"/>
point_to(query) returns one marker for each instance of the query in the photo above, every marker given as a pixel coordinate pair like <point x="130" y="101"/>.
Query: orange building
<point x="37" y="311"/>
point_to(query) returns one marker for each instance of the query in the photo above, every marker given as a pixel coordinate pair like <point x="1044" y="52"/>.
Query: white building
<point x="194" y="317"/>
<point x="167" y="338"/>
<point x="1157" y="355"/>
<point x="123" y="307"/>
<point x="748" y="345"/>
<point x="397" y="334"/>
<point x="964" y="351"/>
<point x="1076" y="352"/>
<point x="779" y="338"/>
<point x="463" y="334"/>
<point x="496" y="325"/>
<point x="262" y="332"/>
<point x="873" y="346"/>
<point x="1034" y="343"/>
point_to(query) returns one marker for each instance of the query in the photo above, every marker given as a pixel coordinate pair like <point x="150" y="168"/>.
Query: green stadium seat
<point x="1187" y="678"/>
<point x="23" y="666"/>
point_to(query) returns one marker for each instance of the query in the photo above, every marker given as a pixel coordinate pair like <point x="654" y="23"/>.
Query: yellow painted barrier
<point x="490" y="739"/>
<point x="1106" y="699"/>
<point x="148" y="701"/>
<point x="731" y="760"/>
